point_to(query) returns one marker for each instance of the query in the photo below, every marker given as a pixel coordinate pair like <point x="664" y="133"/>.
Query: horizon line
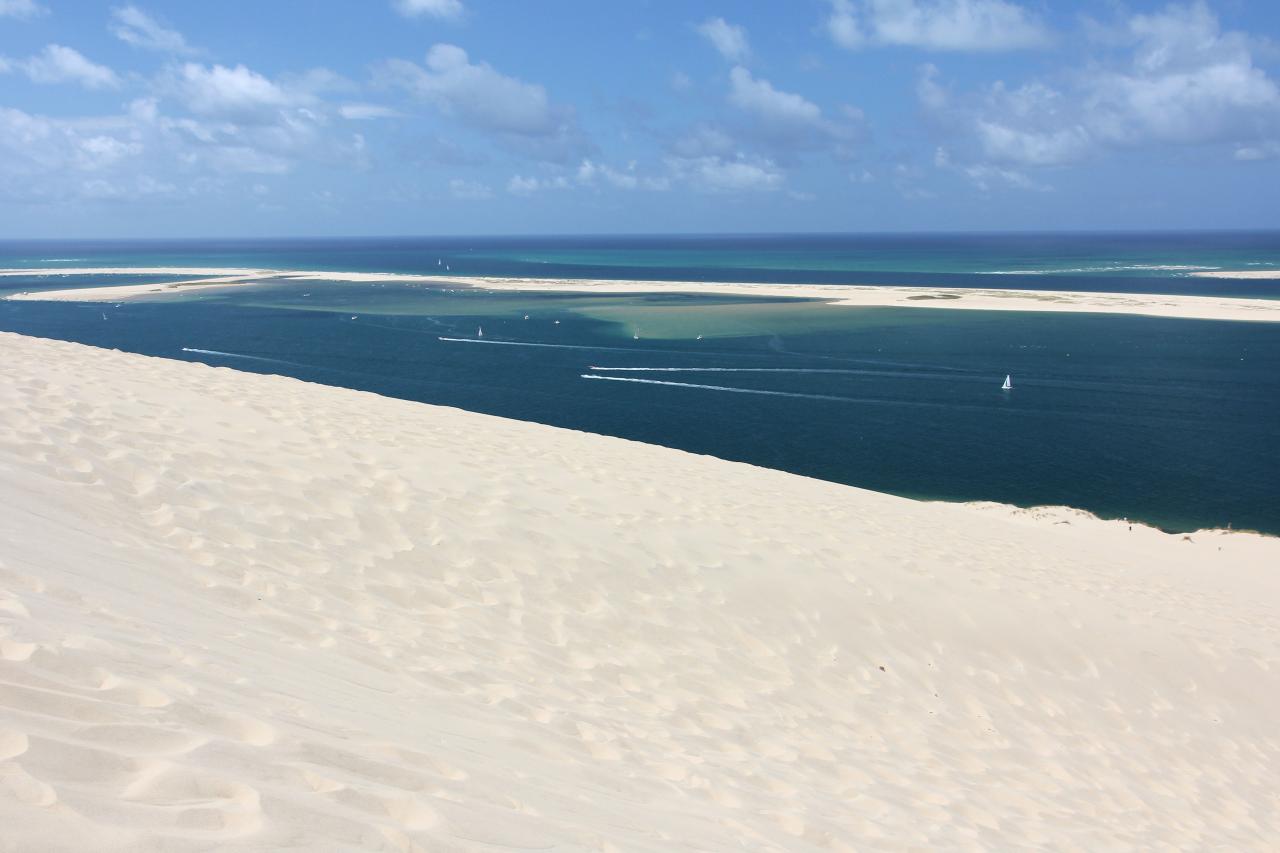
<point x="658" y="234"/>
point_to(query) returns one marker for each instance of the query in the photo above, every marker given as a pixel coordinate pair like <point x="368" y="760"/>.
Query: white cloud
<point x="1187" y="82"/>
<point x="1264" y="151"/>
<point x="244" y="159"/>
<point x="591" y="173"/>
<point x="520" y="115"/>
<point x="784" y="122"/>
<point x="244" y="123"/>
<point x="142" y="186"/>
<point x="233" y="123"/>
<point x="469" y="190"/>
<point x="932" y="95"/>
<point x="761" y="99"/>
<point x="60" y="64"/>
<point x="22" y="9"/>
<point x="449" y="10"/>
<point x="729" y="39"/>
<point x="221" y="91"/>
<point x="44" y="158"/>
<point x="1183" y="81"/>
<point x="365" y="112"/>
<point x="983" y="176"/>
<point x="136" y="27"/>
<point x="1034" y="147"/>
<point x="520" y="185"/>
<point x="717" y="174"/>
<point x="99" y="152"/>
<point x="145" y="110"/>
<point x="905" y="179"/>
<point x="27" y="140"/>
<point x="842" y="25"/>
<point x="704" y="139"/>
<point x="476" y="93"/>
<point x="953" y="25"/>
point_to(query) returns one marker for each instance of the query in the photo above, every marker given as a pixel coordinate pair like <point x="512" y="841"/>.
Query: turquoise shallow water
<point x="1173" y="422"/>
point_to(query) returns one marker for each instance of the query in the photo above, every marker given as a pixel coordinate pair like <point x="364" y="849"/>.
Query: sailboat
<point x="1008" y="384"/>
<point x="479" y="331"/>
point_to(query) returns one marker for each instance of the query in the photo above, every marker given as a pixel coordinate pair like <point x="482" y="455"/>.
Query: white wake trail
<point x="222" y="354"/>
<point x="724" y="388"/>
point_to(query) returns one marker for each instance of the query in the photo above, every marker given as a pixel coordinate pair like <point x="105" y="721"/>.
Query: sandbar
<point x="1266" y="274"/>
<point x="849" y="295"/>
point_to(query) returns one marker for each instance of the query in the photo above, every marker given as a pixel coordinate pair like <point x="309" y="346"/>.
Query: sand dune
<point x="241" y="612"/>
<point x="850" y="295"/>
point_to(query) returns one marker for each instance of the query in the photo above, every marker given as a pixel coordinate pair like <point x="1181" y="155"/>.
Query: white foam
<point x="490" y="341"/>
<point x="726" y="388"/>
<point x="235" y="355"/>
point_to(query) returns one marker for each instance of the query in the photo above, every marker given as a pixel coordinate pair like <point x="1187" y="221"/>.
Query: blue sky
<point x="482" y="117"/>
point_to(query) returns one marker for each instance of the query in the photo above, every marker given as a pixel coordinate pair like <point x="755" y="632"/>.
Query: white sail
<point x="480" y="331"/>
<point x="1008" y="384"/>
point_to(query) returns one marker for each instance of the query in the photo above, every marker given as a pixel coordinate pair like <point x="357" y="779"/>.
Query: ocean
<point x="1171" y="422"/>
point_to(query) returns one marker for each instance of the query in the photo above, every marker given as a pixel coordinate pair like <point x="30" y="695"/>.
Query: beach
<point x="248" y="612"/>
<point x="847" y="295"/>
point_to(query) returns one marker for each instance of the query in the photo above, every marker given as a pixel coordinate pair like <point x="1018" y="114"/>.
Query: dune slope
<point x="248" y="613"/>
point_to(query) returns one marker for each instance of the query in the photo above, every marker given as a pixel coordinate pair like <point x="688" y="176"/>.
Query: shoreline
<point x="859" y="296"/>
<point x="248" y="611"/>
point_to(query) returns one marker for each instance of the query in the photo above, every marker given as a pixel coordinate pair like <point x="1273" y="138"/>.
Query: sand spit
<point x="206" y="277"/>
<point x="864" y="296"/>
<point x="887" y="296"/>
<point x="1272" y="273"/>
<point x="241" y="612"/>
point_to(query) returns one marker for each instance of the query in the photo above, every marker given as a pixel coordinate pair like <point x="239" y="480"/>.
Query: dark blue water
<point x="1173" y="422"/>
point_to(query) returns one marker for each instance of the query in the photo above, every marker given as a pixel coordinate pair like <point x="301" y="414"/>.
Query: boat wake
<point x="221" y="354"/>
<point x="907" y="374"/>
<point x="542" y="346"/>
<point x="725" y="388"/>
<point x="515" y="343"/>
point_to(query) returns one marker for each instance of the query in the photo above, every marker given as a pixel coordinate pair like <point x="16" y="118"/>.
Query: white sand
<point x="248" y="613"/>
<point x="1272" y="273"/>
<point x="886" y="296"/>
<point x="862" y="296"/>
<point x="62" y="272"/>
<point x="205" y="277"/>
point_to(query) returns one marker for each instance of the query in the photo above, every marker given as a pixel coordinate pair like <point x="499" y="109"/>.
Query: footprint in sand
<point x="145" y="740"/>
<point x="230" y="725"/>
<point x="12" y="744"/>
<point x="192" y="800"/>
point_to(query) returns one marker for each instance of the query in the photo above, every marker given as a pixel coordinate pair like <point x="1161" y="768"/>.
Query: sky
<point x="479" y="117"/>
